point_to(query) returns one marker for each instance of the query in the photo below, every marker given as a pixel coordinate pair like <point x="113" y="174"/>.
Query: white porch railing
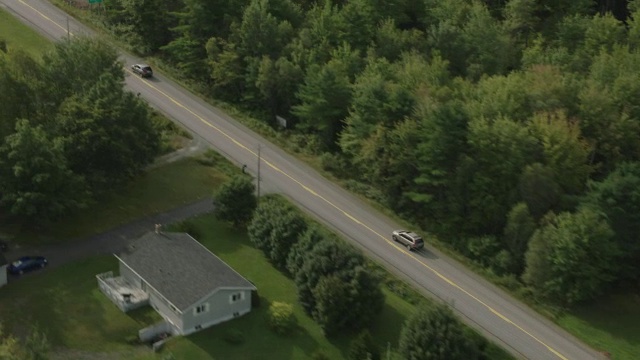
<point x="122" y="293"/>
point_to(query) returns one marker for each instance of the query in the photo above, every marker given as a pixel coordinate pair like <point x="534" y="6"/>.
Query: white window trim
<point x="241" y="293"/>
<point x="205" y="309"/>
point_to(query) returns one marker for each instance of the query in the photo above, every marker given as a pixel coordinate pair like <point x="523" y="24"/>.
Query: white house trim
<point x="216" y="321"/>
<point x="149" y="285"/>
<point x="237" y="288"/>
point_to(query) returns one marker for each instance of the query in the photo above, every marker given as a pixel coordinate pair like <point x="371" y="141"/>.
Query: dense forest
<point x="511" y="129"/>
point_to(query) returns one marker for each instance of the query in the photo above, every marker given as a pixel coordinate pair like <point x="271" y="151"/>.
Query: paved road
<point x="482" y="305"/>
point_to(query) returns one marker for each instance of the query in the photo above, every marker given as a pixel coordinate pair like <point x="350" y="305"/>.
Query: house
<point x="3" y="270"/>
<point x="189" y="286"/>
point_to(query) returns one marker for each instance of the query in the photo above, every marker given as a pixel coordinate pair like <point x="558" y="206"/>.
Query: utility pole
<point x="259" y="161"/>
<point x="388" y="351"/>
<point x="68" y="32"/>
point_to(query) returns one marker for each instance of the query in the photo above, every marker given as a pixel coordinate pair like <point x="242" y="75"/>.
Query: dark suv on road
<point x="411" y="240"/>
<point x="142" y="69"/>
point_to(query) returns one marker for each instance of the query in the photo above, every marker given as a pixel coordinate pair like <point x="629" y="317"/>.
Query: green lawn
<point x="259" y="341"/>
<point x="611" y="325"/>
<point x="67" y="305"/>
<point x="18" y="35"/>
<point x="161" y="189"/>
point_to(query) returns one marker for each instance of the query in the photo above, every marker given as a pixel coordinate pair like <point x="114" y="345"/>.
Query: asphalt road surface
<point x="483" y="306"/>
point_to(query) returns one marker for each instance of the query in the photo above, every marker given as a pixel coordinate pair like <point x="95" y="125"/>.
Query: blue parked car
<point x="27" y="263"/>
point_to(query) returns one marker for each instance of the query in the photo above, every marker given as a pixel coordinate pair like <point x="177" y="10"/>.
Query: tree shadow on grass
<point x="385" y="330"/>
<point x="250" y="338"/>
<point x="218" y="236"/>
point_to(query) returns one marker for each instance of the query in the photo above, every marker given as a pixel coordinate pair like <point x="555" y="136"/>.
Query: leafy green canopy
<point x="473" y="119"/>
<point x="70" y="131"/>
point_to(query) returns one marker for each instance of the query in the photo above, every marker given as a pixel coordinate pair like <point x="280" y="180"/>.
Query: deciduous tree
<point x="107" y="133"/>
<point x="571" y="257"/>
<point x="346" y="300"/>
<point x="565" y="151"/>
<point x="618" y="196"/>
<point x="539" y="189"/>
<point x="275" y="228"/>
<point x="517" y="232"/>
<point x="301" y="250"/>
<point x="36" y="182"/>
<point x="72" y="68"/>
<point x="435" y="333"/>
<point x="327" y="257"/>
<point x="235" y="200"/>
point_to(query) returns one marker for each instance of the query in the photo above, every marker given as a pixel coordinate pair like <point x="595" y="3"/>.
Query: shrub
<point x="435" y="333"/>
<point x="235" y="200"/>
<point x="275" y="228"/>
<point x="281" y="318"/>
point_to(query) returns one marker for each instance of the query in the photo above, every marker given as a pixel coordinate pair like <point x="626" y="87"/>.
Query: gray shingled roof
<point x="180" y="268"/>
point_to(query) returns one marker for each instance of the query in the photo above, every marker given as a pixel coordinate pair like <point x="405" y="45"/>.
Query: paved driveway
<point x="108" y="242"/>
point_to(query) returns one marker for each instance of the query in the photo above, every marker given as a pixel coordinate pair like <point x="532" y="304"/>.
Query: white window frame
<point x="240" y="296"/>
<point x="201" y="309"/>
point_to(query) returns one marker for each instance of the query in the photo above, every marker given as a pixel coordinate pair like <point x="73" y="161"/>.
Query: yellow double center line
<point x="306" y="188"/>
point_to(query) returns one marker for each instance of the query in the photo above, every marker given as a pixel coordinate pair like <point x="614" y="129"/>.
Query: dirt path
<point x="194" y="147"/>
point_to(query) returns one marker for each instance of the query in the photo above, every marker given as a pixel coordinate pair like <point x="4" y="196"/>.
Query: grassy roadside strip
<point x="13" y="32"/>
<point x="601" y="335"/>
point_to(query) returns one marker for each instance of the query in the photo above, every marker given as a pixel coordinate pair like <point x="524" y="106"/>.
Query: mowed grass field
<point x="66" y="304"/>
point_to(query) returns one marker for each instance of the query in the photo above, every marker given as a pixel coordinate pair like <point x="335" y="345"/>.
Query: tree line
<point x="69" y="131"/>
<point x="337" y="286"/>
<point x="509" y="128"/>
